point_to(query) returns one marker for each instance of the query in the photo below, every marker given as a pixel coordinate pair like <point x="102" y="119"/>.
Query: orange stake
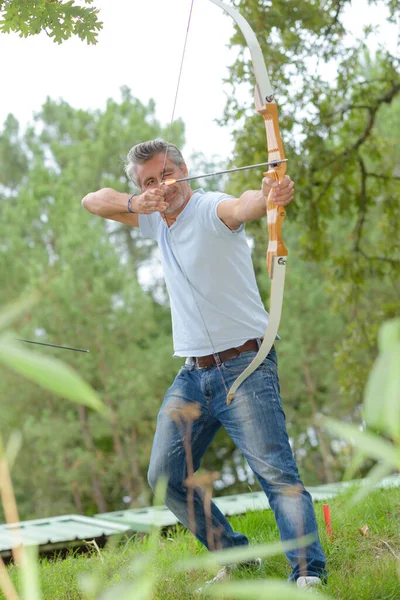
<point x="327" y="518"/>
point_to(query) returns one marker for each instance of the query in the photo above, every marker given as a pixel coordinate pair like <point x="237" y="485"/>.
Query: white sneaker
<point x="308" y="582"/>
<point x="252" y="565"/>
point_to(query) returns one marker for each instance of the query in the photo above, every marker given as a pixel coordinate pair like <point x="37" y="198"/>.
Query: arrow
<point x="273" y="163"/>
<point x="53" y="345"/>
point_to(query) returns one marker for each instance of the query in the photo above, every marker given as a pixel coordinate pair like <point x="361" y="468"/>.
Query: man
<point x="218" y="319"/>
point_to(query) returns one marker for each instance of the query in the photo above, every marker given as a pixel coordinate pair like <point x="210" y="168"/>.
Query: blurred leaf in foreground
<point x="382" y="394"/>
<point x="49" y="373"/>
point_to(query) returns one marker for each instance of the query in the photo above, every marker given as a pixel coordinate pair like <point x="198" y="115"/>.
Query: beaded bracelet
<point x="129" y="204"/>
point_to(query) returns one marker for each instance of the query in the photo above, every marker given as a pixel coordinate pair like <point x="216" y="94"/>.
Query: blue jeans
<point x="193" y="410"/>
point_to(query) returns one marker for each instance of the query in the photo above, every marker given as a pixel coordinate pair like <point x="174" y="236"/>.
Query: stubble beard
<point x="179" y="199"/>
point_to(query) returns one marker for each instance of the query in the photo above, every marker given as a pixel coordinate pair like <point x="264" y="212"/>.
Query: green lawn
<point x="360" y="567"/>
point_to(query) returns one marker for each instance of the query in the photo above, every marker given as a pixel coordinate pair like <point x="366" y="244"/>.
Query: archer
<point x="218" y="321"/>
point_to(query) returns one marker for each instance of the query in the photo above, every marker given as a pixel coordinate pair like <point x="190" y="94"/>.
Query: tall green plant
<point x="380" y="438"/>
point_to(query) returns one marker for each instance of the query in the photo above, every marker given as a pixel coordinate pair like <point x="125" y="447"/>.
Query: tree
<point x="87" y="273"/>
<point x="60" y="20"/>
<point x="342" y="142"/>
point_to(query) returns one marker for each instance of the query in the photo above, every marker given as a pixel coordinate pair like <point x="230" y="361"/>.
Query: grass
<point x="360" y="567"/>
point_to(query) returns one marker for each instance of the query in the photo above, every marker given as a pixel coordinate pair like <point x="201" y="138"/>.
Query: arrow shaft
<point x="53" y="345"/>
<point x="270" y="163"/>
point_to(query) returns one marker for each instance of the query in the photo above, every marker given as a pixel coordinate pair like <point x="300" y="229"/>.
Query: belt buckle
<point x="197" y="364"/>
<point x="239" y="352"/>
<point x="216" y="358"/>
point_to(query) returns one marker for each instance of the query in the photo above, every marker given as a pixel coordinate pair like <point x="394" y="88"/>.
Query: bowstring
<point x="178" y="84"/>
<point x="165" y="220"/>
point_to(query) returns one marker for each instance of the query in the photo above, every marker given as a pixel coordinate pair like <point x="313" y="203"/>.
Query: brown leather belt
<point x="229" y="354"/>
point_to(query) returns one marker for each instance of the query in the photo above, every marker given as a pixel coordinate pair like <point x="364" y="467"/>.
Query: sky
<point x="140" y="46"/>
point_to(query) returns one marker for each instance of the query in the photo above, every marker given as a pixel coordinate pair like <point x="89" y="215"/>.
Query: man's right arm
<point x="110" y="204"/>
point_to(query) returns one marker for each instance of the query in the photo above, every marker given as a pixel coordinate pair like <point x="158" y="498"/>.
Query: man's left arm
<point x="252" y="204"/>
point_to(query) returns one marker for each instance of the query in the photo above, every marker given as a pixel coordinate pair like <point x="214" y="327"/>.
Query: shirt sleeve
<point x="208" y="216"/>
<point x="148" y="225"/>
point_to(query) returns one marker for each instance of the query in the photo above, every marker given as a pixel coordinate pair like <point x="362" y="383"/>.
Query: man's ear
<point x="184" y="170"/>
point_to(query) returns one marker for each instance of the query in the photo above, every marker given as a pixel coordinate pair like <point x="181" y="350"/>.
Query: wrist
<point x="130" y="204"/>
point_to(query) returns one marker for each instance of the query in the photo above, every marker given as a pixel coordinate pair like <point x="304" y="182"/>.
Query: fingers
<point x="151" y="201"/>
<point x="283" y="193"/>
<point x="267" y="184"/>
<point x="151" y="207"/>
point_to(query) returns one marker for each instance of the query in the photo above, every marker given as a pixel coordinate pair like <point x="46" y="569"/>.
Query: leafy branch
<point x="59" y="20"/>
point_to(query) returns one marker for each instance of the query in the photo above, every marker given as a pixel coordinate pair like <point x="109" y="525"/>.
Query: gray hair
<point x="145" y="151"/>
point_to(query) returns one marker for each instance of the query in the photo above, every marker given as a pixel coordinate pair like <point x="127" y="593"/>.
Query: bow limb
<point x="276" y="253"/>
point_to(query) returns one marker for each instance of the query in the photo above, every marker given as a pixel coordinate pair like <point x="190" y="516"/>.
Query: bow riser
<point x="275" y="214"/>
<point x="276" y="247"/>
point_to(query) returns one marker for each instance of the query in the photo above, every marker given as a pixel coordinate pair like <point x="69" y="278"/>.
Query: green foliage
<point x="250" y="590"/>
<point x="342" y="270"/>
<point x="85" y="269"/>
<point x="62" y="381"/>
<point x="50" y="374"/>
<point x="368" y="560"/>
<point x="60" y="20"/>
<point x="381" y="412"/>
<point x="339" y="107"/>
<point x="344" y="152"/>
<point x="13" y="160"/>
<point x="382" y="397"/>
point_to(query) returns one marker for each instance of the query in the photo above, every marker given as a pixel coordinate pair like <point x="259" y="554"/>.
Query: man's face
<point x="150" y="175"/>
